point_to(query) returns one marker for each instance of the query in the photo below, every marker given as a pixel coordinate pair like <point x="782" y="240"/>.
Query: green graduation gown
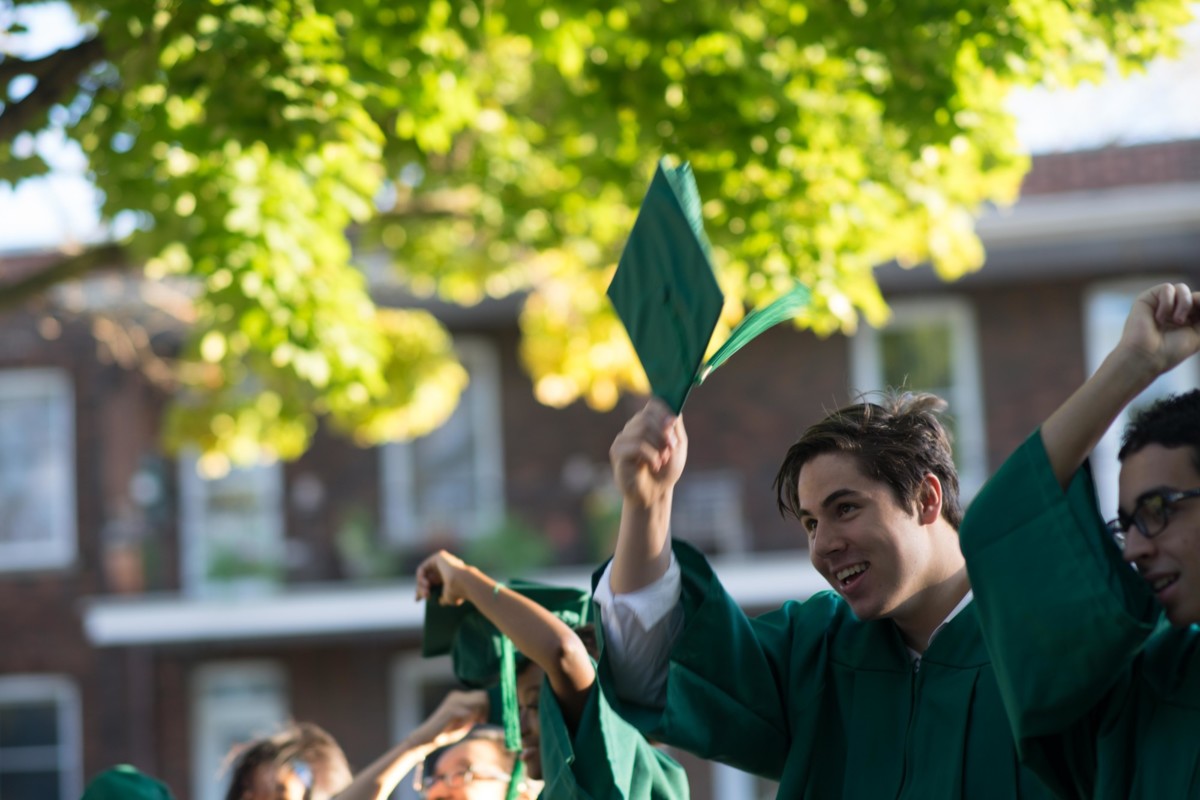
<point x="1104" y="700"/>
<point x="607" y="759"/>
<point x="830" y="706"/>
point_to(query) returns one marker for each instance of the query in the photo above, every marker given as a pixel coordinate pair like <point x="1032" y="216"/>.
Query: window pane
<point x="28" y="725"/>
<point x="31" y="467"/>
<point x="917" y="357"/>
<point x="450" y="483"/>
<point x="239" y="520"/>
<point x="445" y="465"/>
<point x="233" y="704"/>
<point x="29" y="786"/>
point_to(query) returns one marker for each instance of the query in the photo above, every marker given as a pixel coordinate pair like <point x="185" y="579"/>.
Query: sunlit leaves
<point x="422" y="379"/>
<point x="826" y="139"/>
<point x="573" y="342"/>
<point x="502" y="147"/>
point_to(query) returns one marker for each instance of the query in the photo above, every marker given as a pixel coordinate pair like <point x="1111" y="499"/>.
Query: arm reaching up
<point x="647" y="459"/>
<point x="457" y="714"/>
<point x="537" y="633"/>
<point x="1162" y="329"/>
<point x="638" y="594"/>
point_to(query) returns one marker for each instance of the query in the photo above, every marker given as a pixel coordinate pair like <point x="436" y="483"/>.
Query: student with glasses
<point x="477" y="767"/>
<point x="571" y="742"/>
<point x="1103" y="698"/>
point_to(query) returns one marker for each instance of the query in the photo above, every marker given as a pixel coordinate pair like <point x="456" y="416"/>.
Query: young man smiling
<point x="881" y="688"/>
<point x="1105" y="702"/>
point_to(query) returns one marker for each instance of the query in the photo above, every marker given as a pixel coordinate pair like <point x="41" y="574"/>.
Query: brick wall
<point x="1109" y="167"/>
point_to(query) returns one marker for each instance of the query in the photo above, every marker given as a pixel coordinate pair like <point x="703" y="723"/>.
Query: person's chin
<point x="533" y="767"/>
<point x="1183" y="614"/>
<point x="866" y="603"/>
<point x="867" y="614"/>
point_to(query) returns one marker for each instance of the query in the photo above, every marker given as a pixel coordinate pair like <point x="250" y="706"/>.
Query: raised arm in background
<point x="539" y="635"/>
<point x="453" y="718"/>
<point x="1162" y="330"/>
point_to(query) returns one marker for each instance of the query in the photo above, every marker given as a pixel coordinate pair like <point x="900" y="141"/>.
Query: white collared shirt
<point x="914" y="655"/>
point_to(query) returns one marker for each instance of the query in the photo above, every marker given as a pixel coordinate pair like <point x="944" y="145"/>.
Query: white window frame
<point x="62" y="691"/>
<point x="410" y="674"/>
<point x="52" y="386"/>
<point x="966" y="396"/>
<point x="210" y="764"/>
<point x="401" y="525"/>
<point x="1100" y="336"/>
<point x="716" y="495"/>
<point x="194" y="544"/>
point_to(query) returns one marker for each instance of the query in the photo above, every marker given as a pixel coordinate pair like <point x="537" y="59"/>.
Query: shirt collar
<point x="954" y="612"/>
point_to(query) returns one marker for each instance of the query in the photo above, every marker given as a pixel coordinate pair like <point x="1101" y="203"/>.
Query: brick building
<point x="155" y="617"/>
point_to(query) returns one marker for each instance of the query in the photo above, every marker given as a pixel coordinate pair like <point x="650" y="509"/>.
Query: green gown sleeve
<point x="1063" y="616"/>
<point x="606" y="759"/>
<point x="735" y="685"/>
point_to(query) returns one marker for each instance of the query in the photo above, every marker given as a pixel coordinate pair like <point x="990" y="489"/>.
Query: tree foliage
<point x="502" y="146"/>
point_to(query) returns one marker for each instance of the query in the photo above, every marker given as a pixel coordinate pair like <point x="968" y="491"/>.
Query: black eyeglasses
<point x="454" y="780"/>
<point x="1151" y="515"/>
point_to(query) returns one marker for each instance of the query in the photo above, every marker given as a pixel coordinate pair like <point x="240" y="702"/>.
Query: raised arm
<point x="1062" y="617"/>
<point x="647" y="459"/>
<point x="457" y="714"/>
<point x="539" y="635"/>
<point x="1161" y="331"/>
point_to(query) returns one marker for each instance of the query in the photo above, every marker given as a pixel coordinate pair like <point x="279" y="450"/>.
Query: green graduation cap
<point x="125" y="783"/>
<point x="483" y="657"/>
<point x="666" y="293"/>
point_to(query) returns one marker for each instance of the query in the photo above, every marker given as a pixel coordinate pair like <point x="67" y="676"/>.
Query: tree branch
<point x="459" y="203"/>
<point x="56" y="74"/>
<point x="16" y="293"/>
<point x="127" y="343"/>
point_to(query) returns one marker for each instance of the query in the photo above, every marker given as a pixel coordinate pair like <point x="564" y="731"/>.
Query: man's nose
<point x="1138" y="547"/>
<point x="827" y="541"/>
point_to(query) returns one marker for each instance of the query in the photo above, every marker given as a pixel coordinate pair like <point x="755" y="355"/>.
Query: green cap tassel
<point x="518" y="780"/>
<point x="512" y="714"/>
<point x="784" y="308"/>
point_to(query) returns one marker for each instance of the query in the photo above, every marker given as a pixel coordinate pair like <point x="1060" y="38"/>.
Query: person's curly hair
<point x="897" y="441"/>
<point x="298" y="742"/>
<point x="1172" y="421"/>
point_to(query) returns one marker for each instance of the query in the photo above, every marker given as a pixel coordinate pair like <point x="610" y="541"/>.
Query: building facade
<point x="155" y="617"/>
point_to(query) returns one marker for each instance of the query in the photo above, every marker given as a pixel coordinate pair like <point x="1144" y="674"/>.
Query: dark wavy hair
<point x="897" y="441"/>
<point x="1173" y="421"/>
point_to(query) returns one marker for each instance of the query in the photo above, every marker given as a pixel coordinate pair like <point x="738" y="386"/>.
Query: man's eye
<point x="1153" y="507"/>
<point x="809" y="524"/>
<point x="845" y="508"/>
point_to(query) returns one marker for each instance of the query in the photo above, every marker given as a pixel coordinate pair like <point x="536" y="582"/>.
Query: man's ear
<point x="929" y="499"/>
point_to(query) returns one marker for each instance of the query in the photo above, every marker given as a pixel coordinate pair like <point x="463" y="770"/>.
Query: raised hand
<point x="649" y="454"/>
<point x="442" y="569"/>
<point x="1163" y="328"/>
<point x="455" y="716"/>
